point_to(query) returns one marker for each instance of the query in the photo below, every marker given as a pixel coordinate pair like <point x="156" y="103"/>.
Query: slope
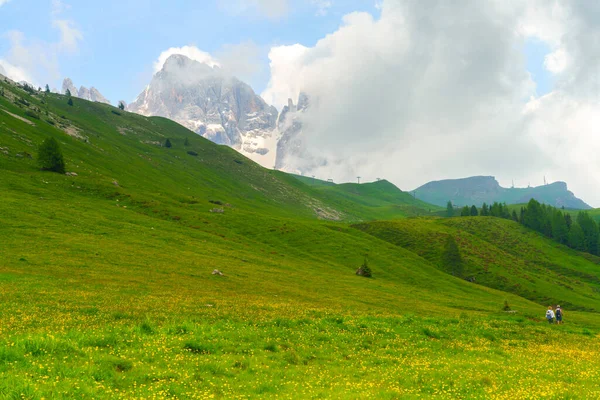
<point x="106" y="288"/>
<point x="503" y="255"/>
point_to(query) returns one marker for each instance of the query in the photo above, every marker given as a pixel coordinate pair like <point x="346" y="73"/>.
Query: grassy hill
<point x="107" y="291"/>
<point x="501" y="254"/>
<point x="377" y="200"/>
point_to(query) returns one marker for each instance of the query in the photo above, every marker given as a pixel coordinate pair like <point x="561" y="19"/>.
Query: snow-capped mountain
<point x="219" y="107"/>
<point x="91" y="94"/>
<point x="289" y="126"/>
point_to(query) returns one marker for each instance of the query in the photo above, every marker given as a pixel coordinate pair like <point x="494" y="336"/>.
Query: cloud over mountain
<point x="430" y="90"/>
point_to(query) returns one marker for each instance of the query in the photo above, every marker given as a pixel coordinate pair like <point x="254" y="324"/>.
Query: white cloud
<point x="322" y="6"/>
<point x="37" y="61"/>
<point x="434" y="90"/>
<point x="273" y="9"/>
<point x="189" y="51"/>
<point x="3" y="2"/>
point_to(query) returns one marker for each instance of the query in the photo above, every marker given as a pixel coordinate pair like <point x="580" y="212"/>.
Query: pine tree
<point x="68" y="93"/>
<point x="121" y="106"/>
<point x="70" y="101"/>
<point x="187" y="142"/>
<point x="560" y="230"/>
<point x="50" y="156"/>
<point x="515" y="217"/>
<point x="485" y="210"/>
<point x="576" y="237"/>
<point x="474" y="211"/>
<point x="168" y="144"/>
<point x="449" y="209"/>
<point x="590" y="232"/>
<point x="47" y="88"/>
<point x="465" y="211"/>
<point x="451" y="257"/>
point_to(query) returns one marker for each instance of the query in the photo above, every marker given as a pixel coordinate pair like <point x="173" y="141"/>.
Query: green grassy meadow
<point x="107" y="291"/>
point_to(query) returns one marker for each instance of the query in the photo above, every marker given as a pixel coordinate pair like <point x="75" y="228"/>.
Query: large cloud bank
<point x="434" y="89"/>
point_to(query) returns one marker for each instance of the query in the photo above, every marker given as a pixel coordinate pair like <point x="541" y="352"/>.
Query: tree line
<point x="580" y="233"/>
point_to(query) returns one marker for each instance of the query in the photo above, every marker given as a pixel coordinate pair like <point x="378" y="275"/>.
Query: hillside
<point x="503" y="255"/>
<point x="382" y="199"/>
<point x="107" y="290"/>
<point x="485" y="189"/>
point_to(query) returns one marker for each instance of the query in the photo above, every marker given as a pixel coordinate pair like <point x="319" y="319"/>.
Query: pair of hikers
<point x="552" y="315"/>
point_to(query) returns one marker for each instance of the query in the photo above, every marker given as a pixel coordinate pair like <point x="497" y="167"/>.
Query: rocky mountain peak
<point x="219" y="107"/>
<point x="83" y="93"/>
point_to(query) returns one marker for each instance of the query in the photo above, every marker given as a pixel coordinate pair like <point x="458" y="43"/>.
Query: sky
<point x="406" y="90"/>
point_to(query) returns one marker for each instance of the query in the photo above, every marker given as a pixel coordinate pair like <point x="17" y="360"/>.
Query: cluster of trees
<point x="580" y="233"/>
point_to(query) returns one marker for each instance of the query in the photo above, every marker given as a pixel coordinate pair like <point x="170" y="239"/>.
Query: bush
<point x="50" y="156"/>
<point x="168" y="144"/>
<point x="32" y="114"/>
<point x="364" y="269"/>
<point x="192" y="153"/>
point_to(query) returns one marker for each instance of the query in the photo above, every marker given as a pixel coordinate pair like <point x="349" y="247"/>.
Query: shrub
<point x="32" y="114"/>
<point x="115" y="112"/>
<point x="168" y="144"/>
<point x="364" y="269"/>
<point x="192" y="153"/>
<point x="50" y="156"/>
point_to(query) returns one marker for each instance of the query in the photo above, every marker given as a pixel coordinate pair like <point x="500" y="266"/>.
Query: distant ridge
<point x="486" y="189"/>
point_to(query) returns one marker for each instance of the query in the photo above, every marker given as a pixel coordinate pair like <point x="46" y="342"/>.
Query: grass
<point x="106" y="288"/>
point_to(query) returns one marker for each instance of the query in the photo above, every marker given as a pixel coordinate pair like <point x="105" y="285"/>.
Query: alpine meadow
<point x="208" y="242"/>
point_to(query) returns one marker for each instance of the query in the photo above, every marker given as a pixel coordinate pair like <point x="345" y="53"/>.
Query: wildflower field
<point x="107" y="291"/>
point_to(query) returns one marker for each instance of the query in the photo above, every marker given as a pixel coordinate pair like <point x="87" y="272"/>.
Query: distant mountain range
<point x="486" y="189"/>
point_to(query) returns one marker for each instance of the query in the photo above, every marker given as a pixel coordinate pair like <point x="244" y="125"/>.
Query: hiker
<point x="559" y="315"/>
<point x="550" y="315"/>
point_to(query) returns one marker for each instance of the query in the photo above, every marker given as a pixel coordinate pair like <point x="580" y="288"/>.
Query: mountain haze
<point x="486" y="189"/>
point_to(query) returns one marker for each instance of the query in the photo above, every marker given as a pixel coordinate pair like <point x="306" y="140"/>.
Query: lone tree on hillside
<point x="364" y="269"/>
<point x="50" y="156"/>
<point x="70" y="101"/>
<point x="68" y="93"/>
<point x="449" y="209"/>
<point x="168" y="144"/>
<point x="47" y="88"/>
<point x="187" y="142"/>
<point x="451" y="257"/>
<point x="121" y="106"/>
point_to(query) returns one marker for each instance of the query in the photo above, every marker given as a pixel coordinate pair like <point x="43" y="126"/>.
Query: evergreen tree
<point x="50" y="156"/>
<point x="70" y="101"/>
<point x="47" y="88"/>
<point x="68" y="93"/>
<point x="121" y="105"/>
<point x="515" y="217"/>
<point x="484" y="210"/>
<point x="577" y="237"/>
<point x="568" y="220"/>
<point x="168" y="144"/>
<point x="560" y="230"/>
<point x="474" y="211"/>
<point x="451" y="257"/>
<point x="449" y="209"/>
<point x="533" y="215"/>
<point x="465" y="211"/>
<point x="187" y="142"/>
<point x="590" y="232"/>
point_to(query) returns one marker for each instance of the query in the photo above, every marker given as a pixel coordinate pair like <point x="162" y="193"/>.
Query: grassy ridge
<point x="106" y="288"/>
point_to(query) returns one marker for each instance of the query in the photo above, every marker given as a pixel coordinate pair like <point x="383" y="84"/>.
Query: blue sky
<point x="121" y="39"/>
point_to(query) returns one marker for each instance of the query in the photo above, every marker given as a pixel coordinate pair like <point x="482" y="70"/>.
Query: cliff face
<point x="220" y="108"/>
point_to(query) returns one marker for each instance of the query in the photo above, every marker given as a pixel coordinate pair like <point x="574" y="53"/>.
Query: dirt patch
<point x="20" y="118"/>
